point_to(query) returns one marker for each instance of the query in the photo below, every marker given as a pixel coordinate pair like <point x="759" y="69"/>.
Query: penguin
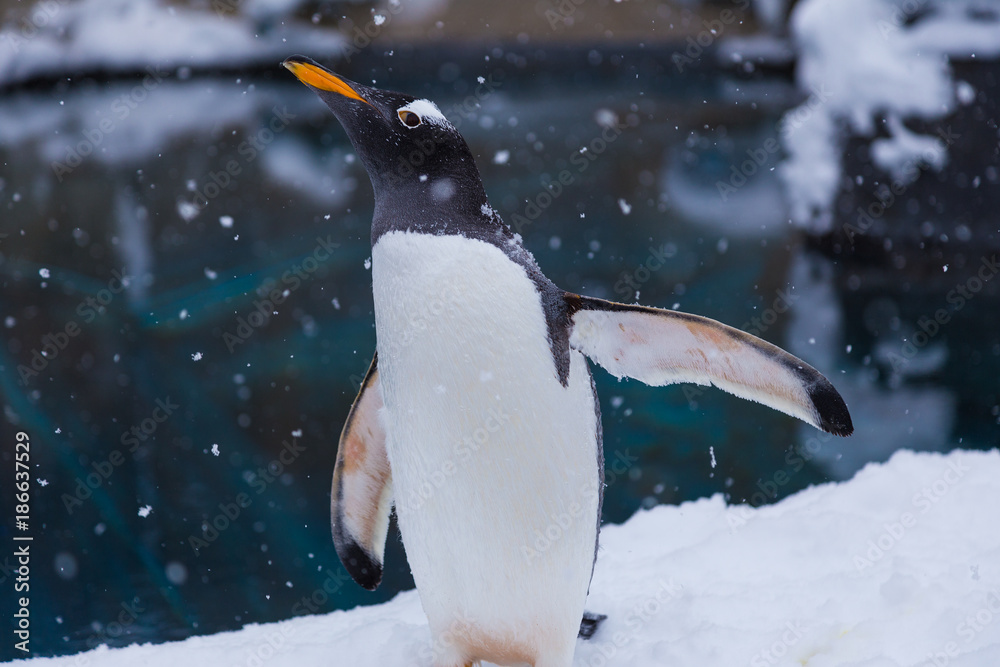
<point x="478" y="419"/>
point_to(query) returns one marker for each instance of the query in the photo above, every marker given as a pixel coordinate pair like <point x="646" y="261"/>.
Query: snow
<point x="898" y="566"/>
<point x="862" y="59"/>
<point x="59" y="38"/>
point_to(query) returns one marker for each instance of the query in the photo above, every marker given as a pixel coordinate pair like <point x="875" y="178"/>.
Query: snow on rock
<point x="860" y="59"/>
<point x="60" y="38"/>
<point x="899" y="566"/>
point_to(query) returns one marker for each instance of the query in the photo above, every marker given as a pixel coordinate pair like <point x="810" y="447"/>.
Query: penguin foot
<point x="590" y="623"/>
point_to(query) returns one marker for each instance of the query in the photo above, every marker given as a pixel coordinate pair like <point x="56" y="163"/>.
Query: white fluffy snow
<point x="861" y="59"/>
<point x="899" y="566"/>
<point x="62" y="38"/>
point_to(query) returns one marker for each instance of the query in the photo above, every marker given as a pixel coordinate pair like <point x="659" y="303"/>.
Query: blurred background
<point x="821" y="173"/>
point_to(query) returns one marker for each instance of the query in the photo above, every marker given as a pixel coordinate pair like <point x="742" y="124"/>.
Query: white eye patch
<point x="426" y="110"/>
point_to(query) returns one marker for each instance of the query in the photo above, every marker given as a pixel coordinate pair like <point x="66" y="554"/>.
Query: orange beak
<point x="320" y="78"/>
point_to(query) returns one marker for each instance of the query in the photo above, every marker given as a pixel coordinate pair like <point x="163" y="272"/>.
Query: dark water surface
<point x="209" y="192"/>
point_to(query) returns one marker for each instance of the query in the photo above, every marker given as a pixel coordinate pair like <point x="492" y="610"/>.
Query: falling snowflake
<point x="226" y="221"/>
<point x="144" y="511"/>
<point x="215" y="449"/>
<point x="297" y="433"/>
<point x="624" y="206"/>
<point x="42" y="482"/>
<point x="197" y="356"/>
<point x="187" y="210"/>
<point x="501" y="157"/>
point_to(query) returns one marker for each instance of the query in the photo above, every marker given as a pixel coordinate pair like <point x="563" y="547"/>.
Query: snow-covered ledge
<point x="899" y="566"/>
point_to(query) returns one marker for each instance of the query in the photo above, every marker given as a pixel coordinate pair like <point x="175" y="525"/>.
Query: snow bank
<point x="861" y="59"/>
<point x="899" y="566"/>
<point x="60" y="38"/>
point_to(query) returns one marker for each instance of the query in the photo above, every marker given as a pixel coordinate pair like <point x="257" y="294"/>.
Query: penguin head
<point x="409" y="148"/>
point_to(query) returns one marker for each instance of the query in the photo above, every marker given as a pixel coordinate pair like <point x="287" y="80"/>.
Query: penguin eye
<point x="409" y="118"/>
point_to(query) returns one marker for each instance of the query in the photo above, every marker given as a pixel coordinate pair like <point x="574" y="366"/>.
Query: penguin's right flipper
<point x="361" y="498"/>
<point x="661" y="347"/>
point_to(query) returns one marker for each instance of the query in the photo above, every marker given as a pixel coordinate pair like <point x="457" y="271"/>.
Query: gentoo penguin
<point x="478" y="419"/>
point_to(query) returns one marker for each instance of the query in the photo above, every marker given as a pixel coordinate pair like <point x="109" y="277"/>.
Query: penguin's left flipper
<point x="661" y="347"/>
<point x="361" y="498"/>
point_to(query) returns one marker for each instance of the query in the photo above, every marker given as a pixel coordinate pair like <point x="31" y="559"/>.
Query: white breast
<point x="494" y="462"/>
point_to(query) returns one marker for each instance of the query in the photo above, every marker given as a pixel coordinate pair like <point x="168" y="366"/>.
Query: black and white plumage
<point x="478" y="419"/>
